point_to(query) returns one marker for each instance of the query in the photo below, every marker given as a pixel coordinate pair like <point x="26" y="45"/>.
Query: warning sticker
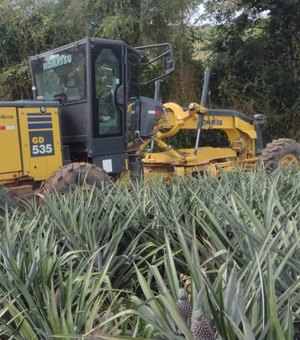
<point x="7" y="127"/>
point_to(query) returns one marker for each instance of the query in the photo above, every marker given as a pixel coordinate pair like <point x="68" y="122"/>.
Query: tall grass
<point x="110" y="263"/>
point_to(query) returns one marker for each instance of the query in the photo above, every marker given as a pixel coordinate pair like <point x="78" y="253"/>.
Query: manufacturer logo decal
<point x="57" y="60"/>
<point x="212" y="122"/>
<point x="6" y="116"/>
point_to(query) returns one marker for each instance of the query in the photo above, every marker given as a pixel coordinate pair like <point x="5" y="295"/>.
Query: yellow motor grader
<point x="89" y="122"/>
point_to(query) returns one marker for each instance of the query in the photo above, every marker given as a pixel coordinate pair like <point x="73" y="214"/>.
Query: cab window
<point x="107" y="79"/>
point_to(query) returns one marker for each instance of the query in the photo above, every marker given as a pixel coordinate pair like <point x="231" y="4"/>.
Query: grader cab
<point x="95" y="81"/>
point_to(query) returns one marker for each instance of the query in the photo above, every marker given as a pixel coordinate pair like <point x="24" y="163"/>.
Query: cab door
<point x="109" y="107"/>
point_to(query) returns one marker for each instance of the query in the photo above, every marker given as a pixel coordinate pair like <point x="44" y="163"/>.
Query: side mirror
<point x="169" y="63"/>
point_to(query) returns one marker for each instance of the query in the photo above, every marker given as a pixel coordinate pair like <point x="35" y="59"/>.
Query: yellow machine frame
<point x="241" y="135"/>
<point x="30" y="144"/>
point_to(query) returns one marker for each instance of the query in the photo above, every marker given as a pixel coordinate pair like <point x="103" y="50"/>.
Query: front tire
<point x="281" y="152"/>
<point x="75" y="174"/>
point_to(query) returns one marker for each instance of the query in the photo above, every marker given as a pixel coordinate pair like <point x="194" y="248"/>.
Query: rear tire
<point x="7" y="198"/>
<point x="75" y="174"/>
<point x="281" y="152"/>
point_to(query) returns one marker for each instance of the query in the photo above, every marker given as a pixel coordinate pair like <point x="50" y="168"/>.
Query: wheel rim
<point x="289" y="160"/>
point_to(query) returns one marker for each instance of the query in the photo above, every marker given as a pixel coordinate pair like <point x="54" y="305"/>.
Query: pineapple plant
<point x="198" y="227"/>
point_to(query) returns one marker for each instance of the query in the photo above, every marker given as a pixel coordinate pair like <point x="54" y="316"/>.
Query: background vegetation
<point x="252" y="46"/>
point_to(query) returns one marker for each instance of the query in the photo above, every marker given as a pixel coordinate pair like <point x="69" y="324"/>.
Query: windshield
<point x="61" y="75"/>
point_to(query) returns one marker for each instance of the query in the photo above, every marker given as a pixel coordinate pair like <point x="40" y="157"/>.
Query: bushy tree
<point x="255" y="51"/>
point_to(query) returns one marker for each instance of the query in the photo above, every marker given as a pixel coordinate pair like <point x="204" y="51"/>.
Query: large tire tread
<point x="74" y="174"/>
<point x="276" y="150"/>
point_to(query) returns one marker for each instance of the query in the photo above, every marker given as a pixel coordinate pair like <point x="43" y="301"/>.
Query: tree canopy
<point x="255" y="52"/>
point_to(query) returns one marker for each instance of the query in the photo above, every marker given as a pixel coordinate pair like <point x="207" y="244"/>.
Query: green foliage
<point x="255" y="54"/>
<point x="242" y="272"/>
<point x="31" y="26"/>
<point x="40" y="258"/>
<point x="110" y="263"/>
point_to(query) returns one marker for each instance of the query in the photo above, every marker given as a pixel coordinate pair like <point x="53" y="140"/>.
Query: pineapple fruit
<point x="201" y="327"/>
